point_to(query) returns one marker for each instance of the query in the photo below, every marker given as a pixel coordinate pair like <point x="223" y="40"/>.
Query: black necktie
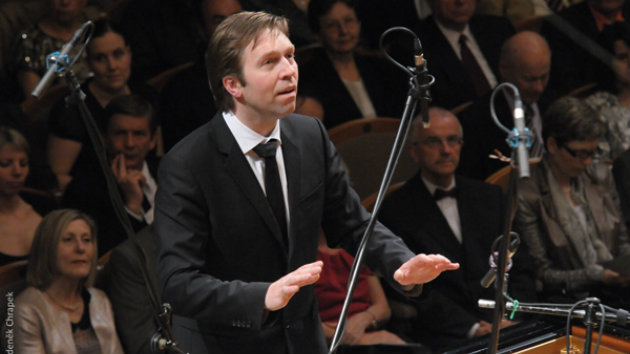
<point x="273" y="187"/>
<point x="529" y="116"/>
<point x="441" y="193"/>
<point x="473" y="69"/>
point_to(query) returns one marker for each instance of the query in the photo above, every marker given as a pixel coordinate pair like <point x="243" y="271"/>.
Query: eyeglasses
<point x="334" y="25"/>
<point x="435" y="143"/>
<point x="582" y="154"/>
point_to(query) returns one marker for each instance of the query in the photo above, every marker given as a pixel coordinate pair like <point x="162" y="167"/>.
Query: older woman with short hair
<point x="568" y="211"/>
<point x="60" y="311"/>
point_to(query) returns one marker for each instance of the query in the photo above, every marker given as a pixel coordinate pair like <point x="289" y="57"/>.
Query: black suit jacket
<point x="88" y="192"/>
<point x="452" y="83"/>
<point x="220" y="247"/>
<point x="386" y="86"/>
<point x="450" y="307"/>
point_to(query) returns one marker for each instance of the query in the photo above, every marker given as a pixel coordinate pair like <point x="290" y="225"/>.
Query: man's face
<point x="453" y="13"/>
<point x="436" y="149"/>
<point x="339" y="29"/>
<point x="130" y="136"/>
<point x="110" y="60"/>
<point x="562" y="156"/>
<point x="270" y="78"/>
<point x="530" y="76"/>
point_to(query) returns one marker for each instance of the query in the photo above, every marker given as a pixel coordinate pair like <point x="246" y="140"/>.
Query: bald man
<point x="525" y="61"/>
<point x="461" y="226"/>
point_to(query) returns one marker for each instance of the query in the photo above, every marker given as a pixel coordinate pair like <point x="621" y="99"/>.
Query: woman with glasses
<point x="345" y="82"/>
<point x="568" y="211"/>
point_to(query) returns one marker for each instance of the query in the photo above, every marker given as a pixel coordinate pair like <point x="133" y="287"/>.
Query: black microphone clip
<point x="515" y="241"/>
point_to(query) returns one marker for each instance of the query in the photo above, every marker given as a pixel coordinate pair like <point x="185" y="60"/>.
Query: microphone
<point x="55" y="61"/>
<point x="519" y="126"/>
<point x="421" y="69"/>
<point x="492" y="272"/>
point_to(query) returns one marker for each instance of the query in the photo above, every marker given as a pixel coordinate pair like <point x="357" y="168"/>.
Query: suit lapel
<point x="445" y="57"/>
<point x="294" y="171"/>
<point x="238" y="168"/>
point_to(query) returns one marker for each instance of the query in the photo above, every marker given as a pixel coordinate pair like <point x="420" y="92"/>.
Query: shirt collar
<point x="247" y="138"/>
<point x="452" y="36"/>
<point x="432" y="187"/>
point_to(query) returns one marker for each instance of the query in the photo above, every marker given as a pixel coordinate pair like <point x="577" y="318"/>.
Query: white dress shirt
<point x="448" y="206"/>
<point x="247" y="139"/>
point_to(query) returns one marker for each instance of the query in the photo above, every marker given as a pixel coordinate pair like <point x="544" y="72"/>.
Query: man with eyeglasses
<point x="438" y="211"/>
<point x="569" y="212"/>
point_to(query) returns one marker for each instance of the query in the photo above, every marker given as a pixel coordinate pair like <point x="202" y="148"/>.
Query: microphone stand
<point x="589" y="314"/>
<point x="63" y="67"/>
<point x="418" y="91"/>
<point x="517" y="139"/>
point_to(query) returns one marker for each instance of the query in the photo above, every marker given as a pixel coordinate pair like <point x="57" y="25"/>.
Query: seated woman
<point x="614" y="109"/>
<point x="18" y="219"/>
<point x="348" y="85"/>
<point x="568" y="211"/>
<point x="369" y="309"/>
<point x="60" y="312"/>
<point x="109" y="57"/>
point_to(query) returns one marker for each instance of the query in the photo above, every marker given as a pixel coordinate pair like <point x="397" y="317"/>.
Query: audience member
<point x="300" y="32"/>
<point x="348" y="85"/>
<point x="129" y="136"/>
<point x="60" y="311"/>
<point x="462" y="50"/>
<point x="186" y="101"/>
<point x="588" y="24"/>
<point x="569" y="215"/>
<point x="133" y="310"/>
<point x="163" y="34"/>
<point x="18" y="219"/>
<point x="517" y="11"/>
<point x="525" y="62"/>
<point x="614" y="108"/>
<point x="48" y="35"/>
<point x="69" y="145"/>
<point x="369" y="309"/>
<point x="621" y="173"/>
<point x="439" y="212"/>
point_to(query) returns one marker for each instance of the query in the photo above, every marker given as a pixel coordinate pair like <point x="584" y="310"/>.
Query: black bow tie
<point x="441" y="193"/>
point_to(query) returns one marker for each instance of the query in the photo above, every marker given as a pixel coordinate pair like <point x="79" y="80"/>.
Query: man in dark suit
<point x="129" y="137"/>
<point x="437" y="211"/>
<point x="237" y="219"/>
<point x="458" y="77"/>
<point x="525" y="62"/>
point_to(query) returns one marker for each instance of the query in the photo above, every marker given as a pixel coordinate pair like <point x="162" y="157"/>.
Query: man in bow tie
<point x="439" y="212"/>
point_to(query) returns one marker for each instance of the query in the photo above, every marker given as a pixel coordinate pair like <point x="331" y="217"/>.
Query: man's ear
<point x="233" y="86"/>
